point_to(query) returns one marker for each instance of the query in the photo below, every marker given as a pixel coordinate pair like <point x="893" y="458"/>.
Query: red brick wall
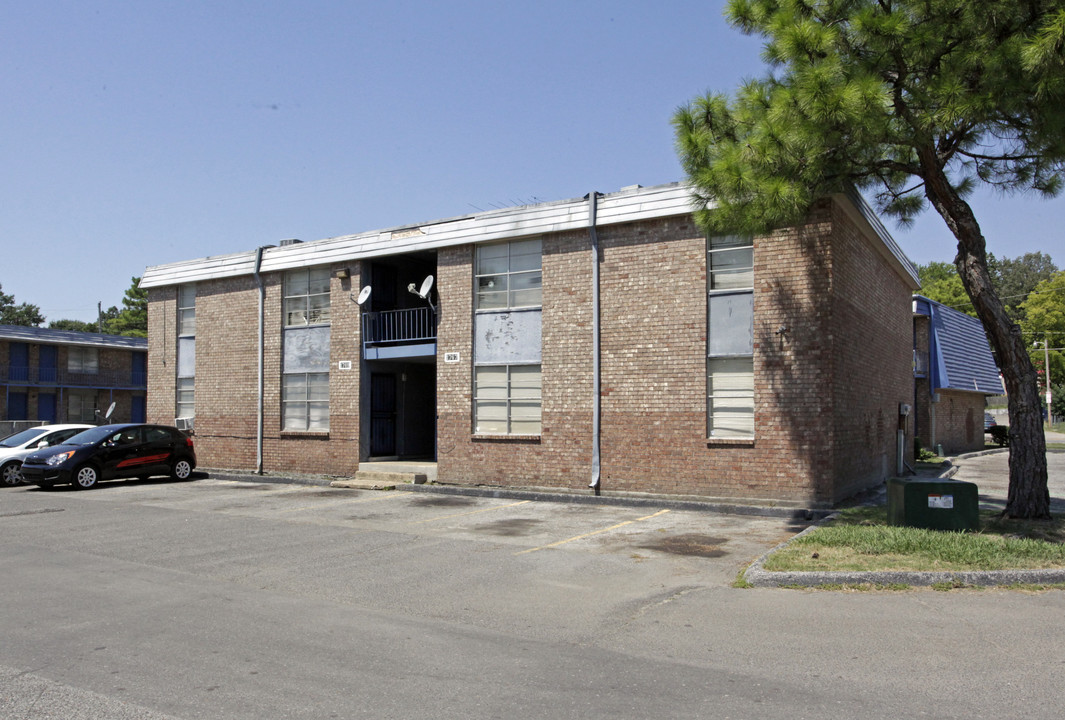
<point x="114" y="365"/>
<point x="959" y="418"/>
<point x="815" y="414"/>
<point x="227" y="377"/>
<point x="827" y="389"/>
<point x="873" y="357"/>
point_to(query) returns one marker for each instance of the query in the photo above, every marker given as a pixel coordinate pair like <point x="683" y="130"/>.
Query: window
<point x="186" y="397"/>
<point x="508" y="275"/>
<point x="84" y="360"/>
<point x="81" y="407"/>
<point x="305" y="401"/>
<point x="307" y="297"/>
<point x="507" y="399"/>
<point x="730" y="337"/>
<point x="186" y="307"/>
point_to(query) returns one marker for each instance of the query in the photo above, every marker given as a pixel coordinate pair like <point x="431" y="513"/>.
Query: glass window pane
<point x="187" y="322"/>
<point x="320" y="311"/>
<point x="318" y="386"/>
<point x="295" y="416"/>
<point x="525" y="382"/>
<point x="525" y="289"/>
<point x="187" y="296"/>
<point x="525" y="418"/>
<point x="294" y="388"/>
<point x="721" y="242"/>
<point x="318" y="416"/>
<point x="525" y="255"/>
<point x="732" y="269"/>
<point x="296" y="283"/>
<point x="730" y="397"/>
<point x="492" y="259"/>
<point x="491" y="416"/>
<point x="296" y="311"/>
<point x="318" y="281"/>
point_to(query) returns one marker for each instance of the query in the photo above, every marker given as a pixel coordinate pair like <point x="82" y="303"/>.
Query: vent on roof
<point x="627" y="188"/>
<point x="290" y="241"/>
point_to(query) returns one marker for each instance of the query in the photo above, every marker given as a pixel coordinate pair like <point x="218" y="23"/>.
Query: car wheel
<point x="11" y="473"/>
<point x="181" y="470"/>
<point x="85" y="477"/>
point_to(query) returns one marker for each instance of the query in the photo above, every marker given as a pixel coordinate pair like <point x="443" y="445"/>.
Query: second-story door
<point x="47" y="362"/>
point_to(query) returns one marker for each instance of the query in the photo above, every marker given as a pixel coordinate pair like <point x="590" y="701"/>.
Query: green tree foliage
<point x="73" y="326"/>
<point x="1044" y="321"/>
<point x="132" y="319"/>
<point x="940" y="282"/>
<point x="1015" y="278"/>
<point x="21" y="314"/>
<point x="916" y="101"/>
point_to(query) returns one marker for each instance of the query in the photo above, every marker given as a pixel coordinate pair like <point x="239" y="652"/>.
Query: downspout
<point x="261" y="353"/>
<point x="593" y="235"/>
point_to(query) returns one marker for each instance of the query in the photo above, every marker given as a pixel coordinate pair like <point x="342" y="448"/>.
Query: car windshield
<point x="88" y="437"/>
<point x="21" y="438"/>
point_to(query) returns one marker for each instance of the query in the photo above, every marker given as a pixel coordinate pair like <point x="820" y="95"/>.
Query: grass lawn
<point x="859" y="539"/>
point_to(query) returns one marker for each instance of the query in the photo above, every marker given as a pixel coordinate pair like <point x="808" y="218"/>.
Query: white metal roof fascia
<point x="614" y="208"/>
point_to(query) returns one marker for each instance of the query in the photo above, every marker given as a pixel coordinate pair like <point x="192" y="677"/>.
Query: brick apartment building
<point x="56" y="376"/>
<point x="603" y="340"/>
<point x="954" y="374"/>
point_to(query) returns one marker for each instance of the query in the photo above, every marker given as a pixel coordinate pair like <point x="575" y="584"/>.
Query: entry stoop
<point x="387" y="475"/>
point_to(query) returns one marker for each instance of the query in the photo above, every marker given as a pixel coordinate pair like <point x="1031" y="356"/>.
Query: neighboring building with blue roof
<point x="62" y="376"/>
<point x="954" y="373"/>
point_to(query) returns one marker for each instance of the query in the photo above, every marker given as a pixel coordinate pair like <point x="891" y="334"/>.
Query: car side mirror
<point x="44" y="444"/>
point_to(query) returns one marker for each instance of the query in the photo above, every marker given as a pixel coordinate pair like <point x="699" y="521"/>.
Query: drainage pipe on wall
<point x="593" y="235"/>
<point x="261" y="353"/>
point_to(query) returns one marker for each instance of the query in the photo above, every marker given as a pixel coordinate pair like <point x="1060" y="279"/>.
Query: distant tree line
<point x="131" y="320"/>
<point x="1032" y="288"/>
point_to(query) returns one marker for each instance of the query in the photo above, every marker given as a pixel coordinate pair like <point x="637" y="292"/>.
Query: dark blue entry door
<point x="382" y="414"/>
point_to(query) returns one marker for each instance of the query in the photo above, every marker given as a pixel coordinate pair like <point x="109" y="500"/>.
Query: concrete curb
<point x="539" y="495"/>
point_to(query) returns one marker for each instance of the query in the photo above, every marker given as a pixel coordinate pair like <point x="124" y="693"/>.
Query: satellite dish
<point x="364" y="295"/>
<point x="427" y="285"/>
<point x="110" y="410"/>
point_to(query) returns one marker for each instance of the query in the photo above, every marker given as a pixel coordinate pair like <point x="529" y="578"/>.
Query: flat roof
<point x="48" y="336"/>
<point x="630" y="204"/>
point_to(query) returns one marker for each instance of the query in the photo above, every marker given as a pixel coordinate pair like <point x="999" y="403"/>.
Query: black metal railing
<point x="398" y="326"/>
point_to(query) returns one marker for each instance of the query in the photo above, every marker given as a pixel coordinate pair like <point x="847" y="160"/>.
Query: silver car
<point x="14" y="448"/>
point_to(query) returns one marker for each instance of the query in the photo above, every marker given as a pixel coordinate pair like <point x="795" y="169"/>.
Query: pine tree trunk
<point x="1028" y="495"/>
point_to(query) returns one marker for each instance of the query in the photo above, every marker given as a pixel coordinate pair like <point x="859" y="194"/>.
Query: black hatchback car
<point x="112" y="451"/>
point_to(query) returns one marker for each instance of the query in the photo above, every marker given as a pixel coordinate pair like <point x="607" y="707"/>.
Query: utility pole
<point x="1046" y="372"/>
<point x="99" y="317"/>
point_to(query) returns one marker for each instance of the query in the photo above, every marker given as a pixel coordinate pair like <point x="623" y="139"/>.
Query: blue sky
<point x="141" y="133"/>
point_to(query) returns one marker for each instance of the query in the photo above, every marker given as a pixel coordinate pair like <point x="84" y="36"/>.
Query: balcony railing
<point x="414" y="325"/>
<point x="31" y="376"/>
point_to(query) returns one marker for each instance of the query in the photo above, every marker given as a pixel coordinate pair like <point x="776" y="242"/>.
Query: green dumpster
<point x="933" y="503"/>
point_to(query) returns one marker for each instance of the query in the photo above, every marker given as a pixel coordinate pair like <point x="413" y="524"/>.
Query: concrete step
<point x="379" y="480"/>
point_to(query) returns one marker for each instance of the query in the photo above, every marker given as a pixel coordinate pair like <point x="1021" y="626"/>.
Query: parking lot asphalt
<point x="252" y="599"/>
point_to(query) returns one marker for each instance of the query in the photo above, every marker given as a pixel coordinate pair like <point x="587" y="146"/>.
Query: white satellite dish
<point x="364" y="295"/>
<point x="427" y="285"/>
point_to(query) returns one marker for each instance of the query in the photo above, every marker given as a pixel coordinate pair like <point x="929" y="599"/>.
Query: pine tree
<point x="917" y="101"/>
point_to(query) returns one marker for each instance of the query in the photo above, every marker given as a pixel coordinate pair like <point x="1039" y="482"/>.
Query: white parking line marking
<point x="594" y="532"/>
<point x="471" y="512"/>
